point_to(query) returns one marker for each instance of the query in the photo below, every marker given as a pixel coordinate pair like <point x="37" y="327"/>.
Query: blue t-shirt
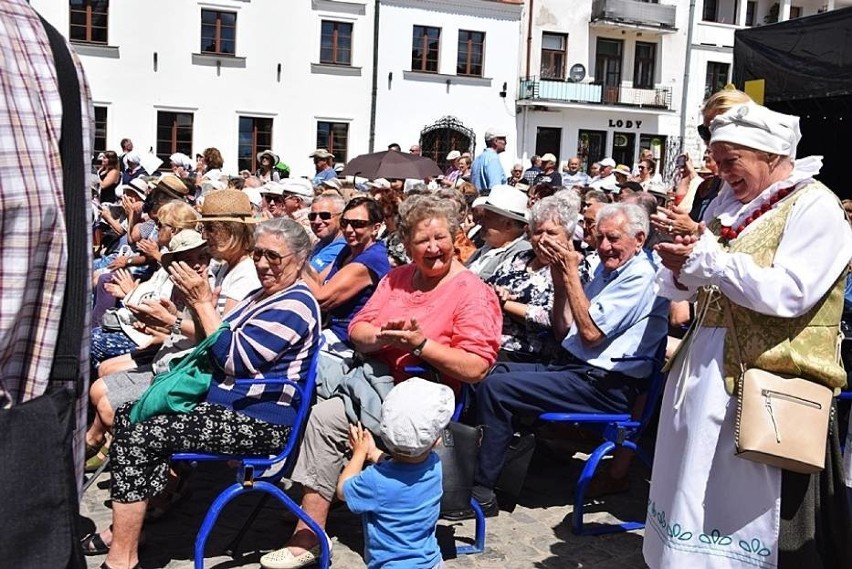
<point x="325" y="253"/>
<point x="320" y="177"/>
<point x="375" y="258"/>
<point x="400" y="504"/>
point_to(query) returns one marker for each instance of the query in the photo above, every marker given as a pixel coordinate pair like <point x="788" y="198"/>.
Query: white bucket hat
<point x="413" y="415"/>
<point x="506" y="201"/>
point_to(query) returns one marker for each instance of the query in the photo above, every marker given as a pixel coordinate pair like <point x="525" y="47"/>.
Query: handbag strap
<point x="66" y="359"/>
<point x="729" y="322"/>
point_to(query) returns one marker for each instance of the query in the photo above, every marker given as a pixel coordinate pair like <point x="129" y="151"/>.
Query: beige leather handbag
<point x="781" y="421"/>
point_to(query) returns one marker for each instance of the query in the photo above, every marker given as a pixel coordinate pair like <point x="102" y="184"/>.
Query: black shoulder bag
<point x="38" y="486"/>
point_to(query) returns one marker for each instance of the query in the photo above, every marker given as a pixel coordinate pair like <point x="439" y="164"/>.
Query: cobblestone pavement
<point x="535" y="535"/>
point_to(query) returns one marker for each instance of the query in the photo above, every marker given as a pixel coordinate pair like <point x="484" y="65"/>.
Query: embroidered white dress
<point x="707" y="508"/>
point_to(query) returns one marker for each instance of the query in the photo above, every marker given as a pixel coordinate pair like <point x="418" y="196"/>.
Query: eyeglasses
<point x="274" y="258"/>
<point x="704" y="133"/>
<point x="355" y="223"/>
<point x="323" y="215"/>
<point x="642" y="168"/>
<point x="272" y="198"/>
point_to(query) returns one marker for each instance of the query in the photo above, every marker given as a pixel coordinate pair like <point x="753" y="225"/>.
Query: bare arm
<point x="348" y="282"/>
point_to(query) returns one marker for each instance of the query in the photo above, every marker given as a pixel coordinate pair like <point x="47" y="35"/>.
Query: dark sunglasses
<point x="356" y="223"/>
<point x="273" y="198"/>
<point x="704" y="133"/>
<point x="272" y="257"/>
<point x="323" y="215"/>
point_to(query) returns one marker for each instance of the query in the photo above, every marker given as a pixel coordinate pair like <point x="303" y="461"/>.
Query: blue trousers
<point x="527" y="389"/>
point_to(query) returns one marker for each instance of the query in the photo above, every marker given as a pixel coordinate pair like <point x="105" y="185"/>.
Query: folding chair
<point x="618" y="430"/>
<point x="478" y="545"/>
<point x="251" y="476"/>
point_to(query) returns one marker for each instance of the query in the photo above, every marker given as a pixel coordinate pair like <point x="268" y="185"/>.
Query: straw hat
<point x="227" y="205"/>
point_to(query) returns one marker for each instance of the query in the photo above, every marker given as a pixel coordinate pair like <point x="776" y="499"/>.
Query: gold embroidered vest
<point x="805" y="346"/>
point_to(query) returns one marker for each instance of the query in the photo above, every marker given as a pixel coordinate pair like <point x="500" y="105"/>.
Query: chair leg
<point x="95" y="475"/>
<point x="325" y="549"/>
<point x="213" y="512"/>
<point x="585" y="478"/>
<point x="233" y="547"/>
<point x="479" y="540"/>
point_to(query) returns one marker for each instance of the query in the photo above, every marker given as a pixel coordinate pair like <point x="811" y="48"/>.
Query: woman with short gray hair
<point x="524" y="285"/>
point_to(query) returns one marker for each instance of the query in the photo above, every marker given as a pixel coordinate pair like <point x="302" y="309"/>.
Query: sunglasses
<point x="323" y="215"/>
<point x="704" y="133"/>
<point x="356" y="223"/>
<point x="272" y="198"/>
<point x="271" y="256"/>
<point x="642" y="168"/>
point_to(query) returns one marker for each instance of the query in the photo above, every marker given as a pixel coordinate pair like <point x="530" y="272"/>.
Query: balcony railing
<point x="535" y="89"/>
<point x="635" y="13"/>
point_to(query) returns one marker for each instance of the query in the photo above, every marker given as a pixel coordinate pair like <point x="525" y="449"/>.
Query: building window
<point x="608" y="68"/>
<point x="751" y="7"/>
<point x="88" y="21"/>
<point x="795" y="12"/>
<point x="471" y="46"/>
<point x="100" y="133"/>
<point x="255" y="136"/>
<point x="174" y="134"/>
<point x="717" y="77"/>
<point x="336" y="43"/>
<point x="709" y="11"/>
<point x="591" y="147"/>
<point x="643" y="65"/>
<point x="554" y="54"/>
<point x="218" y="32"/>
<point x="424" y="49"/>
<point x="334" y="136"/>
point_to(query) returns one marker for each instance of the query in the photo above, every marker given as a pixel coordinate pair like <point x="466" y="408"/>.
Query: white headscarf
<point x="757" y="127"/>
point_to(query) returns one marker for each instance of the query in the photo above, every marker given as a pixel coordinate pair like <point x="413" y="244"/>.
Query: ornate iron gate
<point x="444" y="135"/>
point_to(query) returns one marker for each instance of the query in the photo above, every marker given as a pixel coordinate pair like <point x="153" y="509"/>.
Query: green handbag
<point x="181" y="388"/>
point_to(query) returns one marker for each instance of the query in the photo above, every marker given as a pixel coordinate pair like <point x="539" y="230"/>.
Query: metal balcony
<point x="535" y="89"/>
<point x="634" y="14"/>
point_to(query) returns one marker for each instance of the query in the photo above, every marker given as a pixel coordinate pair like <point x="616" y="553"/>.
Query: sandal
<point x="94" y="462"/>
<point x="94" y="544"/>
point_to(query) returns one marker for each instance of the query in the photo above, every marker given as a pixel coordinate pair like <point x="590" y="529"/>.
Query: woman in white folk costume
<point x="776" y="245"/>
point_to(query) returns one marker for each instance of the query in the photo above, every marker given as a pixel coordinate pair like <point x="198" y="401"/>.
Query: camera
<point x="680" y="161"/>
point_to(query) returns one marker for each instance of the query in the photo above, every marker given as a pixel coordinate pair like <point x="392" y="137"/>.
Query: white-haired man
<point x="616" y="314"/>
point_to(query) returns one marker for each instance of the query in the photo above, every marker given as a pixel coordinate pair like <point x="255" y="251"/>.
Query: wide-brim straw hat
<point x="506" y="201"/>
<point x="275" y="158"/>
<point x="227" y="205"/>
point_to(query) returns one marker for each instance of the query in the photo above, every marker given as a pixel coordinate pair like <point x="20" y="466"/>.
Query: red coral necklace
<point x="728" y="233"/>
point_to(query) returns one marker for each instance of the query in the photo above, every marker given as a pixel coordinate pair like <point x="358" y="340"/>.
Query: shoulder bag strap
<point x="66" y="359"/>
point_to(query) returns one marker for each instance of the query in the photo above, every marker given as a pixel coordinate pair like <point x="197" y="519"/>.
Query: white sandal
<point x="284" y="559"/>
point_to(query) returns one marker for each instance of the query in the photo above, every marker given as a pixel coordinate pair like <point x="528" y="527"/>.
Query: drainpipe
<point x="529" y="37"/>
<point x="685" y="95"/>
<point x="374" y="93"/>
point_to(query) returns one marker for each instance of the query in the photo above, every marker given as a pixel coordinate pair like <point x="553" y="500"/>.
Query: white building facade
<point x="601" y="78"/>
<point x="250" y="75"/>
<point x="447" y="72"/>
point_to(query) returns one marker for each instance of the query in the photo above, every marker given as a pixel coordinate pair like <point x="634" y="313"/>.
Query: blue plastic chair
<point x="478" y="545"/>
<point x="250" y="472"/>
<point x="618" y="430"/>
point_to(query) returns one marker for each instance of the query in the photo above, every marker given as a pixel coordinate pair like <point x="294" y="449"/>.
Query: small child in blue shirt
<point x="400" y="497"/>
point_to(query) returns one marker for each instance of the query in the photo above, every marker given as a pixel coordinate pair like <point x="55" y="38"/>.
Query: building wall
<point x="409" y="101"/>
<point x="269" y="33"/>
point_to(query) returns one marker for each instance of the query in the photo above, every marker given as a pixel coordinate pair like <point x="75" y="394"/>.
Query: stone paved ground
<point x="535" y="535"/>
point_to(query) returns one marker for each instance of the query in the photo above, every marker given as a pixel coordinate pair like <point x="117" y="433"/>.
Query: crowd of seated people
<point x="529" y="294"/>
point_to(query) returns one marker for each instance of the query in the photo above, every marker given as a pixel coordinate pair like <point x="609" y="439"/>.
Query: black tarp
<point x="806" y="64"/>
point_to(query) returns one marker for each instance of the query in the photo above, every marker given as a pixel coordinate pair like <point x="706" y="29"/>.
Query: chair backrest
<point x="306" y="391"/>
<point x="657" y="381"/>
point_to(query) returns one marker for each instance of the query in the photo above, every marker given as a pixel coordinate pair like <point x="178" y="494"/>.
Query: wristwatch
<point x="418" y="349"/>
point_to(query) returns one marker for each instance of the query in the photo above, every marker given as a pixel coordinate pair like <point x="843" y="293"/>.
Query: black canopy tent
<point x="806" y="64"/>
